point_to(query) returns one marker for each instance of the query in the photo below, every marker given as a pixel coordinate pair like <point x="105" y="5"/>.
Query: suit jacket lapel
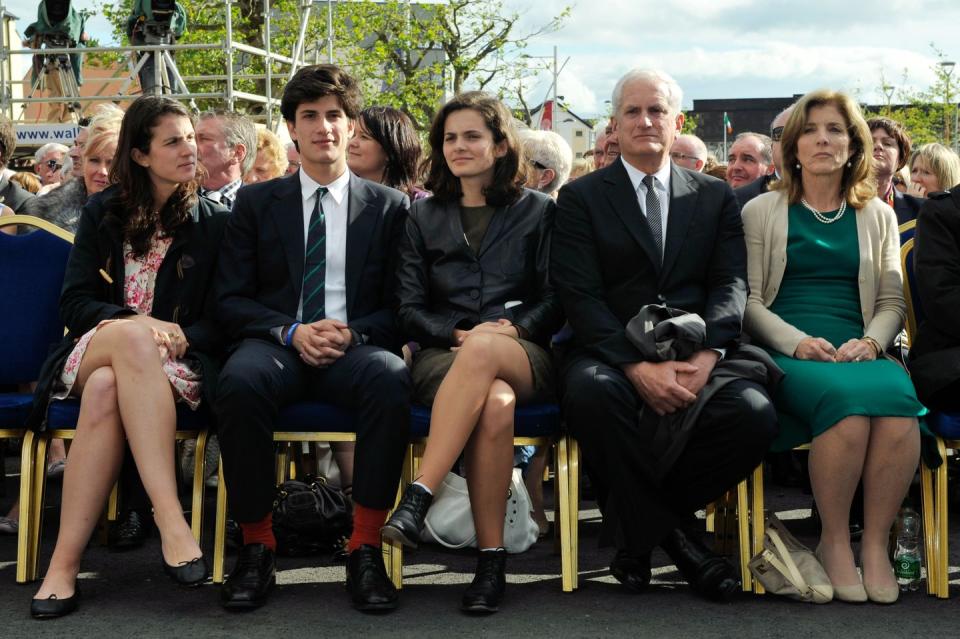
<point x="287" y="214"/>
<point x="623" y="200"/>
<point x="683" y="206"/>
<point x="362" y="222"/>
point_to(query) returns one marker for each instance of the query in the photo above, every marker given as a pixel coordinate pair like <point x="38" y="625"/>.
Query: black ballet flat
<point x="52" y="607"/>
<point x="187" y="573"/>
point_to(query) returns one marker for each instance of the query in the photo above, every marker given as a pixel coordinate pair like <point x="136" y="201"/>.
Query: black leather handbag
<point x="310" y="517"/>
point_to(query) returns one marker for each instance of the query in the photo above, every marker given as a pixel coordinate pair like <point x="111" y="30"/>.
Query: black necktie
<point x="314" y="266"/>
<point x="653" y="214"/>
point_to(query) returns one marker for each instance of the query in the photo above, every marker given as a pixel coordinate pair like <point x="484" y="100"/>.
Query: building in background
<point x="577" y="131"/>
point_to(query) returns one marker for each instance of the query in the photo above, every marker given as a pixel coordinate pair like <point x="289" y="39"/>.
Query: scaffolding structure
<point x="11" y="99"/>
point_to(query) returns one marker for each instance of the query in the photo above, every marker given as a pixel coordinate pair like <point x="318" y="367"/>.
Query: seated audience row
<point x="317" y="280"/>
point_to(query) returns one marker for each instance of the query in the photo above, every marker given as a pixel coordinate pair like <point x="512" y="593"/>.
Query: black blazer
<point x="16" y="197"/>
<point x="907" y="207"/>
<point x="935" y="351"/>
<point x="604" y="265"/>
<point x="261" y="263"/>
<point x="183" y="292"/>
<point x="758" y="187"/>
<point x="443" y="285"/>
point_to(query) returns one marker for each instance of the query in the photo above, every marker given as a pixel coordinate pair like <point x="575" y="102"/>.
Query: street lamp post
<point x="947" y="67"/>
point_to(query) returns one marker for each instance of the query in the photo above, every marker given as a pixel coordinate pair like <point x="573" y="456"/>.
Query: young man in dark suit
<point x="643" y="231"/>
<point x="306" y="286"/>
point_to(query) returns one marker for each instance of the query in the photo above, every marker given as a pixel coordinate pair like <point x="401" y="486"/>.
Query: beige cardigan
<point x="881" y="282"/>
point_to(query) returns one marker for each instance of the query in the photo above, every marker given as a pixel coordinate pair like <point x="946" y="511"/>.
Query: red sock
<point x="367" y="523"/>
<point x="260" y="532"/>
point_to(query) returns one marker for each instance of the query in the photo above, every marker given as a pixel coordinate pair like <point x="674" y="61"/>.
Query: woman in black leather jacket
<point x="137" y="300"/>
<point x="474" y="292"/>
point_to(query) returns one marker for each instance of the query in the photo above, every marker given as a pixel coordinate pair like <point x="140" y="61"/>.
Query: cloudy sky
<point x="724" y="48"/>
<point x="746" y="48"/>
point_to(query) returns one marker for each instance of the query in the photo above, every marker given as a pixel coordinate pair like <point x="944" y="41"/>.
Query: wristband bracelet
<point x="290" y="331"/>
<point x="874" y="343"/>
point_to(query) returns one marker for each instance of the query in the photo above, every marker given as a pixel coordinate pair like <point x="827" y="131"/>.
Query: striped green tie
<point x="314" y="266"/>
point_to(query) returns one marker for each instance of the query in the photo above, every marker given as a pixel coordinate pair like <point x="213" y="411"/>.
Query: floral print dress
<point x="140" y="276"/>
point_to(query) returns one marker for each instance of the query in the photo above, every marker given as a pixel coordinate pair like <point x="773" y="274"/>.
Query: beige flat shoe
<point x="882" y="594"/>
<point x="848" y="594"/>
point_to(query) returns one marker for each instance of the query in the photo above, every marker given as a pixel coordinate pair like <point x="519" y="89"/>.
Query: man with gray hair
<point x="47" y="162"/>
<point x="762" y="184"/>
<point x="690" y="152"/>
<point x="227" y="145"/>
<point x="660" y="437"/>
<point x="750" y="158"/>
<point x="550" y="159"/>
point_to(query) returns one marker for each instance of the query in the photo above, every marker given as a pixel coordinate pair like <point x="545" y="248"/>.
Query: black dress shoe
<point x="367" y="582"/>
<point x="251" y="579"/>
<point x="129" y="531"/>
<point x="187" y="573"/>
<point x="51" y="607"/>
<point x="632" y="571"/>
<point x="708" y="573"/>
<point x="405" y="523"/>
<point x="485" y="592"/>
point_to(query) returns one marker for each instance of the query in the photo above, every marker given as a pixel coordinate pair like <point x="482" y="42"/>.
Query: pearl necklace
<point x="823" y="218"/>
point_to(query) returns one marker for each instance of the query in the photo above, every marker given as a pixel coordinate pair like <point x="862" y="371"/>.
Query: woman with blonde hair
<point x="271" y="159"/>
<point x="826" y="299"/>
<point x="933" y="168"/>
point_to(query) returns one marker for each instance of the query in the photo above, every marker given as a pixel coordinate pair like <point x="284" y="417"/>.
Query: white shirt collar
<point x="336" y="189"/>
<point x="636" y="175"/>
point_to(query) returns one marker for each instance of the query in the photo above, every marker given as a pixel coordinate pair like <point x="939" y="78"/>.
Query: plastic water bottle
<point x="906" y="562"/>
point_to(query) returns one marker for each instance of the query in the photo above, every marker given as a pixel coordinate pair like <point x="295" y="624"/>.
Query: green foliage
<point x="407" y="55"/>
<point x="690" y="123"/>
<point x="927" y="114"/>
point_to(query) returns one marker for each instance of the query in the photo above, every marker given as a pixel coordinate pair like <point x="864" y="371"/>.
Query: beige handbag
<point x="787" y="567"/>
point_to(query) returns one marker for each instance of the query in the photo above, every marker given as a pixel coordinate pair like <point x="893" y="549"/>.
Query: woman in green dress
<point x="826" y="299"/>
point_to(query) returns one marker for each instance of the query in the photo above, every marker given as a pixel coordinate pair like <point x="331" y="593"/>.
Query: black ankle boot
<point x="486" y="591"/>
<point x="405" y="523"/>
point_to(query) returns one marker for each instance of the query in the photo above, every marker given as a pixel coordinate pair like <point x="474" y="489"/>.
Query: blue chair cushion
<point x="947" y="425"/>
<point x="14" y="408"/>
<point x="63" y="415"/>
<point x="33" y="266"/>
<point x="538" y="420"/>
<point x="305" y="417"/>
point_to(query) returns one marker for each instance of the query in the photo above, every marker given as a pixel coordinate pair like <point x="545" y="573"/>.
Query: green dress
<point x="820" y="296"/>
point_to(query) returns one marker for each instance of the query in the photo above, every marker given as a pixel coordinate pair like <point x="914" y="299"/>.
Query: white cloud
<point x="750" y="48"/>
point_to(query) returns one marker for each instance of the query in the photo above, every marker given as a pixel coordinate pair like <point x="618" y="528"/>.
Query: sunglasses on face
<point x="776" y="133"/>
<point x="53" y="164"/>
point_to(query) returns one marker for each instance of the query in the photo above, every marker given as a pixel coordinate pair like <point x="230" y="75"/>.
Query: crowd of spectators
<point x="306" y="270"/>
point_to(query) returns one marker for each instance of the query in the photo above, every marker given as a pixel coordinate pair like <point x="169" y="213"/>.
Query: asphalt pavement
<point x="127" y="595"/>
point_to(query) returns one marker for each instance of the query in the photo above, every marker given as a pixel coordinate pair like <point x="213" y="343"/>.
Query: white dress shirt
<point x="661" y="184"/>
<point x="335" y="205"/>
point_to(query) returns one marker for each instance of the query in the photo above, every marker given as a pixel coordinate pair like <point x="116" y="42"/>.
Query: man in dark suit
<point x="762" y="184"/>
<point x="11" y="194"/>
<point x="935" y="351"/>
<point x="643" y="231"/>
<point x="306" y="286"/>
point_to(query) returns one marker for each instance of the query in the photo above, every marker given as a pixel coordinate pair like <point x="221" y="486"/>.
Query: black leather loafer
<point x="130" y="531"/>
<point x="708" y="573"/>
<point x="52" y="607"/>
<point x="405" y="523"/>
<point x="486" y="590"/>
<point x="631" y="570"/>
<point x="187" y="573"/>
<point x="251" y="580"/>
<point x="367" y="582"/>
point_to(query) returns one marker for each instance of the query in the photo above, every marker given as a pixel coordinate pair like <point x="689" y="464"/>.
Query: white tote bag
<point x="449" y="521"/>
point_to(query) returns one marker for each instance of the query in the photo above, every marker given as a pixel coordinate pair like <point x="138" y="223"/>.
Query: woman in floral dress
<point x="137" y="300"/>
